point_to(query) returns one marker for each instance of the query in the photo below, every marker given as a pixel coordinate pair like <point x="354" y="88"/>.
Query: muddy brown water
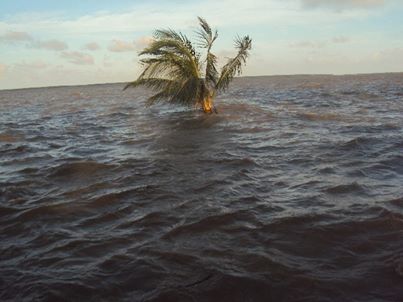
<point x="293" y="192"/>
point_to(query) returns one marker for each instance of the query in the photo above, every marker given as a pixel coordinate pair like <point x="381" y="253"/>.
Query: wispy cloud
<point x="125" y="46"/>
<point x="143" y="42"/>
<point x="36" y="65"/>
<point x="389" y="54"/>
<point x="308" y="44"/>
<point x="3" y="68"/>
<point x="145" y="17"/>
<point x="52" y="44"/>
<point x="107" y="62"/>
<point x="91" y="46"/>
<point x="285" y="35"/>
<point x="15" y="36"/>
<point x="121" y="46"/>
<point x="342" y="4"/>
<point x="320" y="44"/>
<point x="77" y="57"/>
<point x="341" y="39"/>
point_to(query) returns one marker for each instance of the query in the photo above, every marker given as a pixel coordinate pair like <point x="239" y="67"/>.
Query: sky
<point x="51" y="43"/>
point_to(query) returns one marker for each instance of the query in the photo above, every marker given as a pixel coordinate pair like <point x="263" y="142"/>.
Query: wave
<point x="292" y="192"/>
<point x="312" y="116"/>
<point x="81" y="169"/>
<point x="346" y="188"/>
<point x="7" y="137"/>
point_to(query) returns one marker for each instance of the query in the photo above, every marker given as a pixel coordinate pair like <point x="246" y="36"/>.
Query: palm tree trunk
<point x="207" y="105"/>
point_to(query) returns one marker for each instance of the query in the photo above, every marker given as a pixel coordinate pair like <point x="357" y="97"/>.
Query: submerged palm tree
<point x="180" y="74"/>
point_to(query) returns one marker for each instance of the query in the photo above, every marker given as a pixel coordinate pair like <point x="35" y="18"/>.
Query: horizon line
<point x="237" y="77"/>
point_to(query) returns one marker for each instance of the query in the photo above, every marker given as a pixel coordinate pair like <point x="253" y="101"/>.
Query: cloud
<point x="107" y="62"/>
<point x="145" y="17"/>
<point x="124" y="46"/>
<point x="221" y="14"/>
<point x="52" y="44"/>
<point x="67" y="74"/>
<point x="308" y="44"/>
<point x="292" y="31"/>
<point x="77" y="57"/>
<point x="3" y="69"/>
<point x="342" y="4"/>
<point x="340" y="39"/>
<point x="92" y="46"/>
<point x="21" y="36"/>
<point x="389" y="54"/>
<point x="15" y="36"/>
<point x="121" y="46"/>
<point x="36" y="65"/>
<point x="319" y="44"/>
<point x="143" y="42"/>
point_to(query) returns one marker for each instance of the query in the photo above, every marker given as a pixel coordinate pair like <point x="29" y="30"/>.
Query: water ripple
<point x="291" y="193"/>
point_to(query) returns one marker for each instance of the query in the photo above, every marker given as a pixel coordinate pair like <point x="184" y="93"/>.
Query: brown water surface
<point x="293" y="192"/>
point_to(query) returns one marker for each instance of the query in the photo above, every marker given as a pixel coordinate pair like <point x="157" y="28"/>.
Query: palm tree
<point x="180" y="74"/>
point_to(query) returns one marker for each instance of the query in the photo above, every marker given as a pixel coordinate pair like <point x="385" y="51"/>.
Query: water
<point x="293" y="192"/>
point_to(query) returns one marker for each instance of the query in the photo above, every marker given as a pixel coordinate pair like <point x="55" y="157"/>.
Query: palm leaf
<point x="205" y="35"/>
<point x="234" y="65"/>
<point x="206" y="40"/>
<point x="161" y="48"/>
<point x="173" y="68"/>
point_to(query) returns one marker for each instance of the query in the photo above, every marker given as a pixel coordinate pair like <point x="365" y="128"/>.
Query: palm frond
<point x="169" y="34"/>
<point x="206" y="40"/>
<point x="161" y="49"/>
<point x="177" y="73"/>
<point x="211" y="70"/>
<point x="166" y="65"/>
<point x="234" y="65"/>
<point x="187" y="94"/>
<point x="170" y="67"/>
<point x="205" y="35"/>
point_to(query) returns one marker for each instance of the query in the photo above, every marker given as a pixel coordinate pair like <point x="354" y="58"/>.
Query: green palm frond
<point x="234" y="65"/>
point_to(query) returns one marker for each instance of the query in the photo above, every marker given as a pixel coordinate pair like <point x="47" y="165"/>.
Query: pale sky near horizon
<point x="48" y="43"/>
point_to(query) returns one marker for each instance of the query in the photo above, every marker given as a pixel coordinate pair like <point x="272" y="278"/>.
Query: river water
<point x="292" y="192"/>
